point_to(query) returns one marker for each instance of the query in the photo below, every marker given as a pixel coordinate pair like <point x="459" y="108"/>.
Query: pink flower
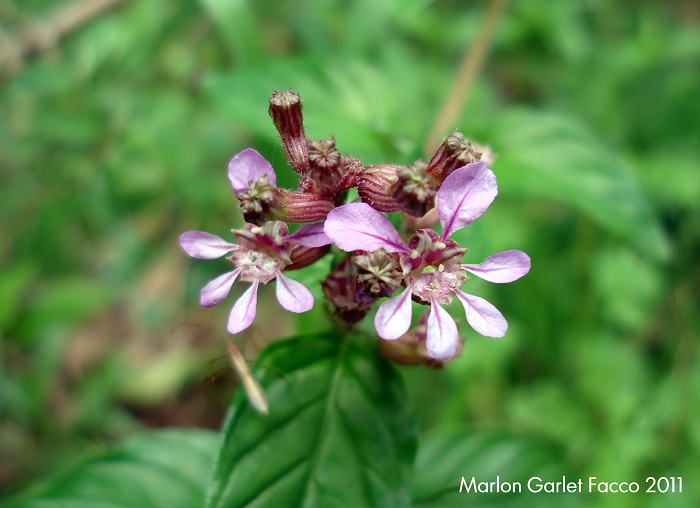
<point x="260" y="256"/>
<point x="248" y="167"/>
<point x="432" y="269"/>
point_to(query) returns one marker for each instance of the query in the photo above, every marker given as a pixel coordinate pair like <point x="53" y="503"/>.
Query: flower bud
<point x="456" y="151"/>
<point x="285" y="110"/>
<point x="342" y="290"/>
<point x="376" y="187"/>
<point x="303" y="206"/>
<point x="263" y="202"/>
<point x="415" y="190"/>
<point x="409" y="349"/>
<point x="324" y="164"/>
<point x="379" y="273"/>
<point x="352" y="171"/>
<point x="302" y="256"/>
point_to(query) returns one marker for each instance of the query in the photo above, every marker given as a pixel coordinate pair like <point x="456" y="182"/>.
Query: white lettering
<point x="467" y="486"/>
<point x="489" y="487"/>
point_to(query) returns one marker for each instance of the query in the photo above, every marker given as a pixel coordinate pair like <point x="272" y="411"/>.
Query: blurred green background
<point x="115" y="135"/>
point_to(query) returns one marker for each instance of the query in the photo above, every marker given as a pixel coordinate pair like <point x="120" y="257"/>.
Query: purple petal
<point x="358" y="226"/>
<point x="465" y="195"/>
<point x="505" y="266"/>
<point x="482" y="316"/>
<point x="393" y="317"/>
<point x="201" y="245"/>
<point x="311" y="235"/>
<point x="218" y="289"/>
<point x="443" y="337"/>
<point x="293" y="295"/>
<point x="246" y="166"/>
<point x="243" y="311"/>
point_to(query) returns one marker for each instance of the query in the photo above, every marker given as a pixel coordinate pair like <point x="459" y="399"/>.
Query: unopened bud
<point x="285" y="110"/>
<point x="342" y="290"/>
<point x="378" y="272"/>
<point x="304" y="256"/>
<point x="303" y="206"/>
<point x="351" y="174"/>
<point x="409" y="349"/>
<point x="456" y="151"/>
<point x="415" y="190"/>
<point x="325" y="167"/>
<point x="376" y="187"/>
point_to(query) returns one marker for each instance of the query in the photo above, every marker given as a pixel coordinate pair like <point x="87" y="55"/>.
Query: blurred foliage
<point x="116" y="138"/>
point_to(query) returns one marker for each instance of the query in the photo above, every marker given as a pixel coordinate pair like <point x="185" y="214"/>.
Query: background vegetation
<point x="114" y="138"/>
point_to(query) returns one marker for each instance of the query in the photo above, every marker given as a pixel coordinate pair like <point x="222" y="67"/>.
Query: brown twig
<point x="468" y="70"/>
<point x="44" y="35"/>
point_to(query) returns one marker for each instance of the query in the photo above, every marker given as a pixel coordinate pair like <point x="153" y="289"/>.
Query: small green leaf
<point x="163" y="469"/>
<point x="340" y="431"/>
<point x="546" y="155"/>
<point x="446" y="456"/>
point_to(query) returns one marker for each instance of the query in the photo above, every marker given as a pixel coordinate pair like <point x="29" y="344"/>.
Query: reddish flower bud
<point x="378" y="272"/>
<point x="304" y="256"/>
<point x="376" y="187"/>
<point x="263" y="202"/>
<point x="324" y="164"/>
<point x="303" y="207"/>
<point x="341" y="288"/>
<point x="415" y="190"/>
<point x="409" y="349"/>
<point x="285" y="110"/>
<point x="330" y="173"/>
<point x="456" y="151"/>
<point x="352" y="171"/>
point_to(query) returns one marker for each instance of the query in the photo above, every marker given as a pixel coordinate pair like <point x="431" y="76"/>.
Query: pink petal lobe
<point x="293" y="295"/>
<point x="358" y="226"/>
<point x="465" y="195"/>
<point x="311" y="235"/>
<point x="218" y="289"/>
<point x="201" y="245"/>
<point x="243" y="312"/>
<point x="393" y="317"/>
<point x="502" y="267"/>
<point x="443" y="337"/>
<point x="483" y="316"/>
<point x="246" y="166"/>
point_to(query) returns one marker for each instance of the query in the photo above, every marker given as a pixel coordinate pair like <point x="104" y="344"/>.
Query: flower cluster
<point x="376" y="261"/>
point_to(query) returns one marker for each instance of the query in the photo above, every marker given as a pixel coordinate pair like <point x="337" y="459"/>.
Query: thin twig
<point x="44" y="35"/>
<point x="468" y="71"/>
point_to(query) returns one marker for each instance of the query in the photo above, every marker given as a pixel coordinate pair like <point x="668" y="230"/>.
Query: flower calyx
<point x="456" y="151"/>
<point x="285" y="110"/>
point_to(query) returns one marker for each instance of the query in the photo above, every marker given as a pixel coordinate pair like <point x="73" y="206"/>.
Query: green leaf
<point x="167" y="469"/>
<point x="340" y="431"/>
<point x="445" y="456"/>
<point x="546" y="155"/>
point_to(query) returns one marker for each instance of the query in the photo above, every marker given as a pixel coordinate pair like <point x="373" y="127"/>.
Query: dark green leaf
<point x="446" y="456"/>
<point x="165" y="469"/>
<point x="340" y="430"/>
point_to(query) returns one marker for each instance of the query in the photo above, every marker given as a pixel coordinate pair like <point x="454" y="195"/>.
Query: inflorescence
<point x="374" y="260"/>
